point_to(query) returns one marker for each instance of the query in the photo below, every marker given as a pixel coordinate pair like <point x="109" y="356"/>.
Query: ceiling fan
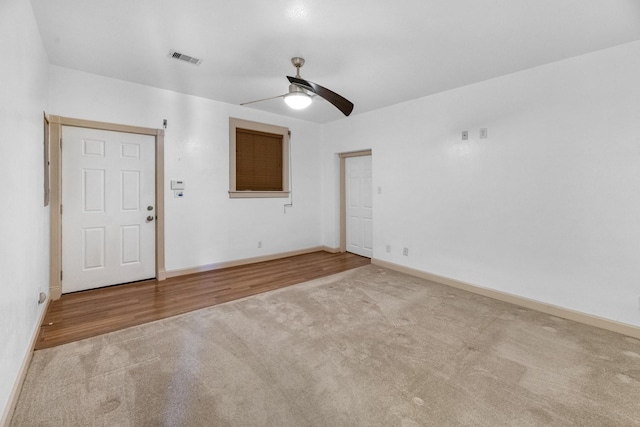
<point x="301" y="92"/>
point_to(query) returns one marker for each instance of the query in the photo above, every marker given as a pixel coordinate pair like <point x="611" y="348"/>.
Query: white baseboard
<point x="331" y="250"/>
<point x="245" y="261"/>
<point x="565" y="313"/>
<point x="22" y="373"/>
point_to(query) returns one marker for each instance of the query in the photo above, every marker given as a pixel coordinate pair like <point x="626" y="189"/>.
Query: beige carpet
<point x="369" y="347"/>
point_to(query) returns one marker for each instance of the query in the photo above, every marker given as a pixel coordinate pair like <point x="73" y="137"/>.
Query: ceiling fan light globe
<point x="297" y="100"/>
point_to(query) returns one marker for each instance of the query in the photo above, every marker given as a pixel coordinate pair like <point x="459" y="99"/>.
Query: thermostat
<point x="177" y="185"/>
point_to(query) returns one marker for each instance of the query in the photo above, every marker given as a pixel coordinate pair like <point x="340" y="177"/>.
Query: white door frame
<point x="343" y="194"/>
<point x="55" y="124"/>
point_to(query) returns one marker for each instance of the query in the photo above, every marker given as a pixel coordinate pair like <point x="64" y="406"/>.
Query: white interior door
<point x="359" y="196"/>
<point x="108" y="208"/>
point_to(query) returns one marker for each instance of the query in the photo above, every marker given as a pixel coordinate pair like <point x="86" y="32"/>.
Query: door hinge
<point x="61" y="275"/>
<point x="61" y="143"/>
<point x="60" y="209"/>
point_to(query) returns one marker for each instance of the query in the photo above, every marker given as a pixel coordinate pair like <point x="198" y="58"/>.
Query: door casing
<point x="55" y="124"/>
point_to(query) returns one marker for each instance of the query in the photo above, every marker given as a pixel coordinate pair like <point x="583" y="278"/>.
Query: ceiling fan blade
<point x="338" y="101"/>
<point x="260" y="100"/>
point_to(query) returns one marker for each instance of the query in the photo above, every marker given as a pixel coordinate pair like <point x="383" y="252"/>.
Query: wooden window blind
<point x="258" y="161"/>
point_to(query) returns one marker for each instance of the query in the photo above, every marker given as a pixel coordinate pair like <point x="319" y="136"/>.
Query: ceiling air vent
<point x="186" y="58"/>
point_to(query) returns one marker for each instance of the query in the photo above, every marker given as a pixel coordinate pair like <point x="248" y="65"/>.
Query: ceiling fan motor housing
<point x="297" y="98"/>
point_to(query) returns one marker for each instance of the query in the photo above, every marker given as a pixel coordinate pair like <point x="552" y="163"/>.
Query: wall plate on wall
<point x="177" y="184"/>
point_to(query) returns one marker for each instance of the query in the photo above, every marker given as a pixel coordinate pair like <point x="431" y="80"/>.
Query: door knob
<point x="150" y="218"/>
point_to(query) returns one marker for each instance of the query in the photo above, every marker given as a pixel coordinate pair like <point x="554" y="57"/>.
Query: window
<point x="258" y="160"/>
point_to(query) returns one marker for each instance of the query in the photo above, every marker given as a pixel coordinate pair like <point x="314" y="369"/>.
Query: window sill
<point x="257" y="194"/>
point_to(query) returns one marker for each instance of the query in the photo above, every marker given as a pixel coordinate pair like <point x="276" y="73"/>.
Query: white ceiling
<point x="375" y="53"/>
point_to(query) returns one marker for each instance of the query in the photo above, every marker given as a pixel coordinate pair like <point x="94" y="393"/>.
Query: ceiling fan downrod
<point x="298" y="63"/>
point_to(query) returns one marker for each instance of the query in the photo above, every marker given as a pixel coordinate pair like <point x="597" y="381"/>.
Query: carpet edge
<point x="554" y="310"/>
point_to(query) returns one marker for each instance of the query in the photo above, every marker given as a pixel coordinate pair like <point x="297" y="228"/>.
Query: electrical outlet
<point x="259" y="245"/>
<point x="405" y="251"/>
<point x="388" y="249"/>
<point x="483" y="133"/>
<point x="465" y="135"/>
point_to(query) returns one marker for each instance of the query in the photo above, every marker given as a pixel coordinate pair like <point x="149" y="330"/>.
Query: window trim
<point x="235" y="123"/>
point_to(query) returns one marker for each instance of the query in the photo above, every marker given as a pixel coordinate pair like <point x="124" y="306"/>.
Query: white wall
<point x="547" y="207"/>
<point x="24" y="236"/>
<point x="206" y="226"/>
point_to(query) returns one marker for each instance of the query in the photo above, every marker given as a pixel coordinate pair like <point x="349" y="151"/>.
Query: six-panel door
<point x="108" y="208"/>
<point x="359" y="195"/>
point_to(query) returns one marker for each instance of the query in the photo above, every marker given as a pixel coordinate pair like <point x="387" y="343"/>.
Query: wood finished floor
<point x="89" y="313"/>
